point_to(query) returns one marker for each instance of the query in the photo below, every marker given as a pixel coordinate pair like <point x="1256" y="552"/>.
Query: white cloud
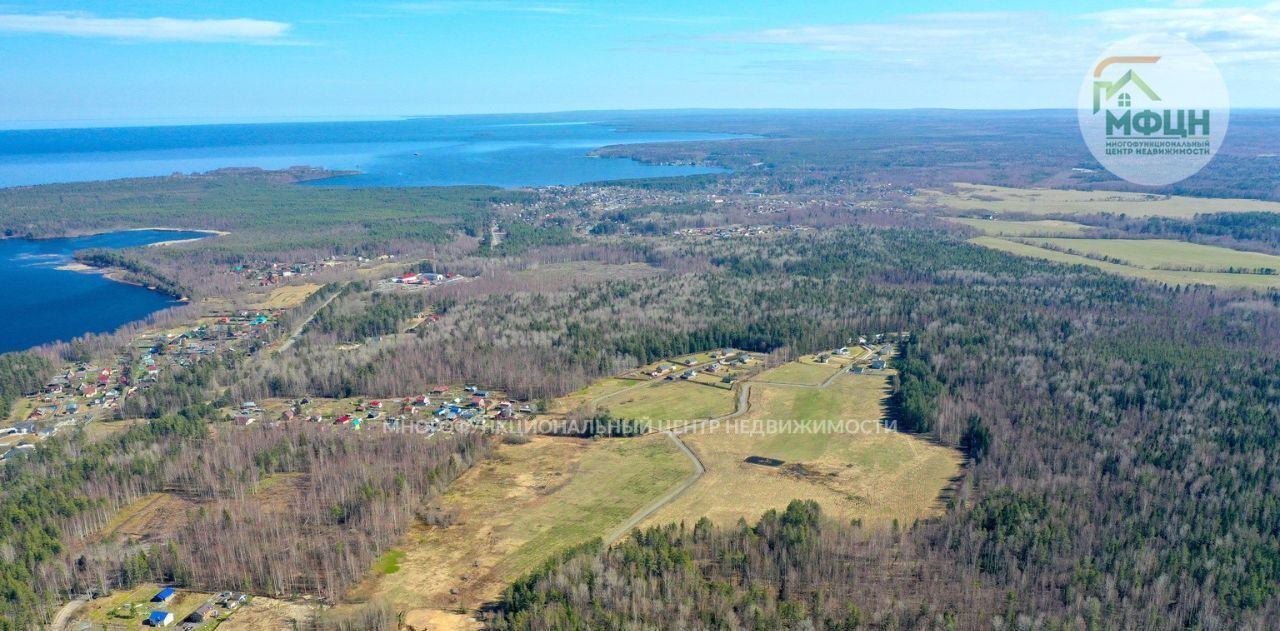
<point x="243" y="30"/>
<point x="1228" y="34"/>
<point x="440" y="7"/>
<point x="1018" y="45"/>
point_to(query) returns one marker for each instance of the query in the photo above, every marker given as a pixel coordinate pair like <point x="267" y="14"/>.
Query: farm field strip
<point x="999" y="199"/>
<point x="1168" y="277"/>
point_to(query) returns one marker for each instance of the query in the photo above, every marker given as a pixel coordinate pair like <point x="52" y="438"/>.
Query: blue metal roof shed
<point x="163" y="595"/>
<point x="160" y="619"/>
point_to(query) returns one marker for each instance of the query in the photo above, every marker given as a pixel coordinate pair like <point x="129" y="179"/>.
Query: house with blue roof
<point x="160" y="619"/>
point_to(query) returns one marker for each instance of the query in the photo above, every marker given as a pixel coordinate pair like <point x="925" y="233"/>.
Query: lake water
<point x="497" y="150"/>
<point x="45" y="303"/>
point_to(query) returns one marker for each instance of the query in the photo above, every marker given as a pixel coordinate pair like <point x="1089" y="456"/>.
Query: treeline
<point x="366" y="315"/>
<point x="346" y="499"/>
<point x="522" y="237"/>
<point x="21" y="374"/>
<point x="791" y="570"/>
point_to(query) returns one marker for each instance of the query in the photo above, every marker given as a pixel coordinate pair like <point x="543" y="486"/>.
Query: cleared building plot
<point x="805" y="372"/>
<point x="876" y="476"/>
<point x="664" y="403"/>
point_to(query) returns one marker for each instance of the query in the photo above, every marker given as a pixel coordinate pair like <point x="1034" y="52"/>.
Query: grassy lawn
<point x="803" y="372"/>
<point x="1042" y="228"/>
<point x="1153" y="253"/>
<point x="666" y="403"/>
<point x="1247" y="281"/>
<point x="999" y="199"/>
<point x="518" y="509"/>
<point x="390" y="562"/>
<point x="876" y="476"/>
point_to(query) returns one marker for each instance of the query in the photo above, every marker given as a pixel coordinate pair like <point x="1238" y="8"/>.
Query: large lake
<point x="47" y="304"/>
<point x="498" y="150"/>
<point x="44" y="303"/>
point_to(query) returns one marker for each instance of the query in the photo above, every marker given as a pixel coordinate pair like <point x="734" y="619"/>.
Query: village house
<point x="203" y="613"/>
<point x="159" y="619"/>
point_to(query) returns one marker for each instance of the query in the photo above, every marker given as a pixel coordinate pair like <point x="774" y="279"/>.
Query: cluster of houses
<point x="720" y="361"/>
<point x="224" y="603"/>
<point x="84" y="390"/>
<point x="413" y="280"/>
<point x="738" y="232"/>
<point x="434" y="411"/>
<point x="268" y="273"/>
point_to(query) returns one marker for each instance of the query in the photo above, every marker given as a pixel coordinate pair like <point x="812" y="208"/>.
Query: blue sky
<point x="195" y="61"/>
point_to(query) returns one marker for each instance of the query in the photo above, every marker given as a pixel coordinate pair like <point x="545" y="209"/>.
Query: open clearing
<point x="803" y="372"/>
<point x="518" y="509"/>
<point x="873" y="474"/>
<point x="665" y="404"/>
<point x="1040" y="228"/>
<point x="286" y="297"/>
<point x="999" y="199"/>
<point x="153" y="517"/>
<point x="1245" y="281"/>
<point x="1166" y="254"/>
<point x="269" y="613"/>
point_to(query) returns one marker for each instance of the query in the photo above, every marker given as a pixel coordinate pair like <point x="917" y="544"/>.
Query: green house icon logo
<point x="1108" y="90"/>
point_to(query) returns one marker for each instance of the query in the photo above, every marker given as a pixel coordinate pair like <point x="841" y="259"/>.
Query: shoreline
<point x="119" y="275"/>
<point x="77" y="235"/>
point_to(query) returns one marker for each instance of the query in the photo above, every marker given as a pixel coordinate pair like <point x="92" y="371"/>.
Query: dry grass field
<point x="999" y="199"/>
<point x="664" y="404"/>
<point x="596" y="390"/>
<point x="517" y="510"/>
<point x="876" y="476"/>
<point x="1166" y="254"/>
<point x="284" y="297"/>
<point x="802" y="372"/>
